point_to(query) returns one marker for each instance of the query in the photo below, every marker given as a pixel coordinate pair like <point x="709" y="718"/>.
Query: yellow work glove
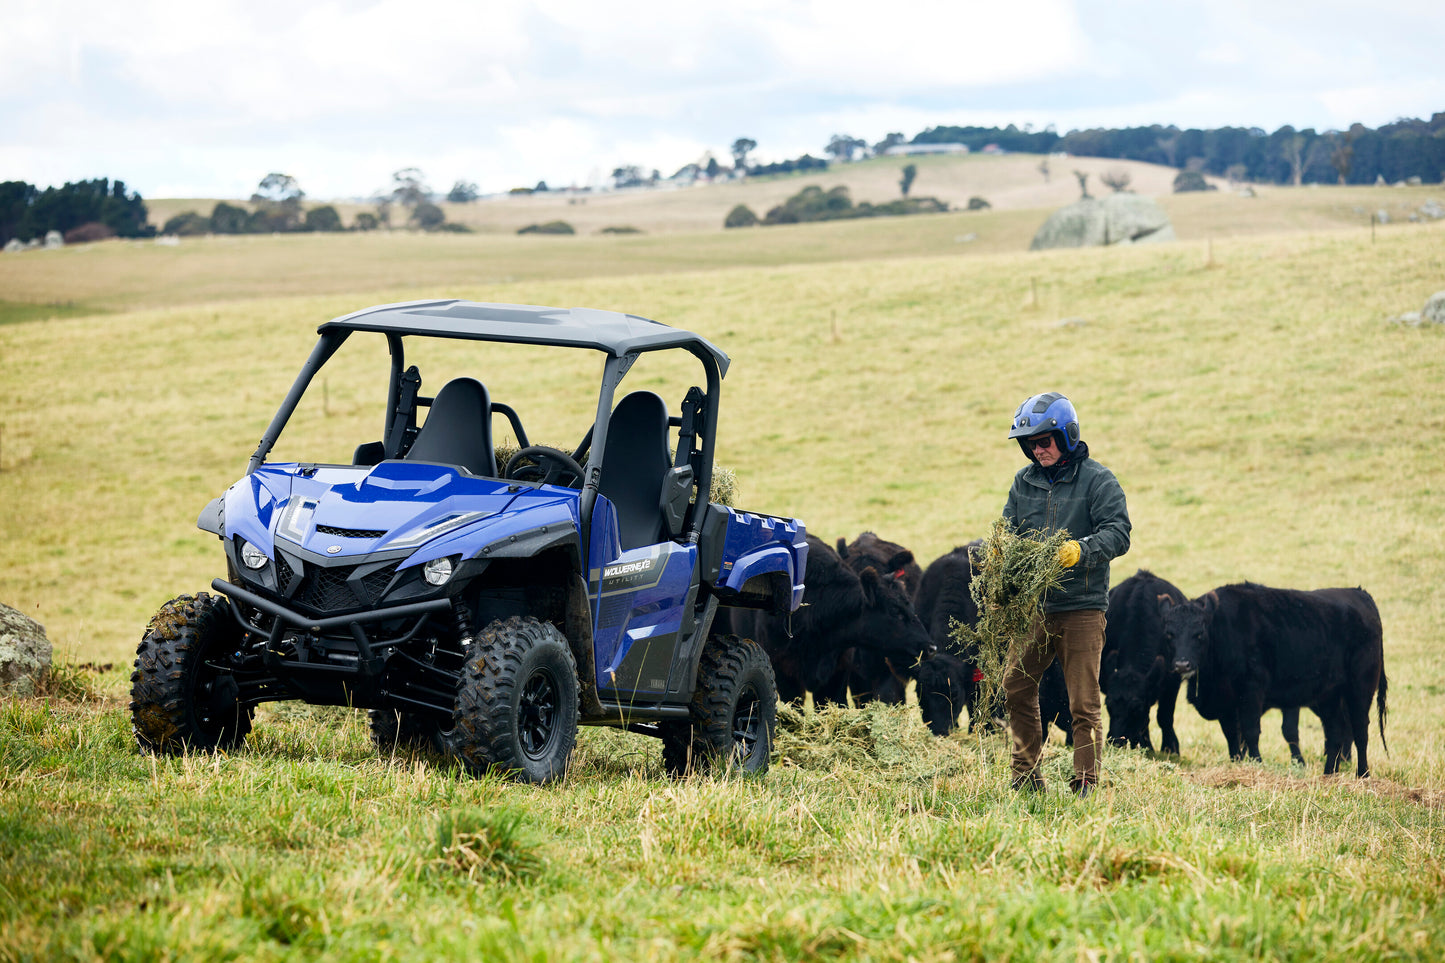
<point x="1069" y="554"/>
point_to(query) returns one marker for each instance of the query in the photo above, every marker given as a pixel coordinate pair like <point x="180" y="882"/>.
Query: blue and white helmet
<point x="1050" y="411"/>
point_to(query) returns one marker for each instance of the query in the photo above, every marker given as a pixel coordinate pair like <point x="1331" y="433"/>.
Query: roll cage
<point x="622" y="338"/>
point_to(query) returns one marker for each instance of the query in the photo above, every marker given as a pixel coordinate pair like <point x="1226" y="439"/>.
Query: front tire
<point x="181" y="697"/>
<point x="516" y="708"/>
<point x="734" y="712"/>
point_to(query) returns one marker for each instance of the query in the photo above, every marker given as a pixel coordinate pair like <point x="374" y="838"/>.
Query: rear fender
<point x="771" y="572"/>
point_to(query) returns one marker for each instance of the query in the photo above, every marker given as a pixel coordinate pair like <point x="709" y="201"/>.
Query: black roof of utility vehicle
<point x="611" y="332"/>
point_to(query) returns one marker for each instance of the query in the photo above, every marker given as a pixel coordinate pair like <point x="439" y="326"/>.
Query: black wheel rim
<point x="747" y="725"/>
<point x="537" y="714"/>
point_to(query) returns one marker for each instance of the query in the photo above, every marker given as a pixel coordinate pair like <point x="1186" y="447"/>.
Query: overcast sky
<point x="202" y="98"/>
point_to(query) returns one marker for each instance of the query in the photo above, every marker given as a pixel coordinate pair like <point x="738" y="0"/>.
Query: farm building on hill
<point x="904" y="150"/>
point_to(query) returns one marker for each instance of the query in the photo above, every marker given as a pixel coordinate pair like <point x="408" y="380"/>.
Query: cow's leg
<point x="1358" y="703"/>
<point x="1332" y="718"/>
<point x="1229" y="725"/>
<point x="1168" y="695"/>
<point x="1289" y="728"/>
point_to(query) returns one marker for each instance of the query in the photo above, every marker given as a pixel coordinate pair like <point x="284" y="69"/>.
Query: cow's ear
<point x="1157" y="669"/>
<point x="872" y="582"/>
<point x="842" y="548"/>
<point x="1211" y="602"/>
<point x="1165" y="604"/>
<point x="897" y="562"/>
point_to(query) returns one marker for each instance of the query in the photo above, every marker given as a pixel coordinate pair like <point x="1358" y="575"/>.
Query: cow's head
<point x="889" y="623"/>
<point x="1131" y="693"/>
<point x="1186" y="631"/>
<point x="941" y="695"/>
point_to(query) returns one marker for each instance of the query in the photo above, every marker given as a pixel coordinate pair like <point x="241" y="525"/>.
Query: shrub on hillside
<point x="1191" y="181"/>
<point x="187" y="224"/>
<point x="624" y="229"/>
<point x="90" y="231"/>
<point x="978" y="204"/>
<point x="322" y="219"/>
<point x="813" y="203"/>
<point x="228" y="219"/>
<point x="365" y="221"/>
<point x="740" y="216"/>
<point x="428" y="216"/>
<point x="551" y="227"/>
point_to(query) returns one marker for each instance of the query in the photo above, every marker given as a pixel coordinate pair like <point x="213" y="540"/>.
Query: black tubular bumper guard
<point x="353" y="622"/>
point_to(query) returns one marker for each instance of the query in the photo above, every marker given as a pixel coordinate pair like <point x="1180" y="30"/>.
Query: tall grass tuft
<point x="477" y="843"/>
<point x="1014" y="574"/>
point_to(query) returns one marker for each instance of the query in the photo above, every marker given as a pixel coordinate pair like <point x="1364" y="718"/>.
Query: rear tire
<point x="734" y="712"/>
<point x="181" y="697"/>
<point x="516" y="708"/>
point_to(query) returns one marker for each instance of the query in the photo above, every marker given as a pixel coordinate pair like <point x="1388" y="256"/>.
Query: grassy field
<point x="1264" y="419"/>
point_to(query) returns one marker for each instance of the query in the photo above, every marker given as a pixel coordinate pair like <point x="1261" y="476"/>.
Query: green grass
<point x="1265" y="422"/>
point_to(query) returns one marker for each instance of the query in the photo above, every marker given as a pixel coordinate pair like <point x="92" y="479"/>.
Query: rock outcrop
<point x="25" y="652"/>
<point x="1100" y="221"/>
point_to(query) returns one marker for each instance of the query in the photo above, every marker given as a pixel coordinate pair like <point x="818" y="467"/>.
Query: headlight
<point x="437" y="571"/>
<point x="252" y="557"/>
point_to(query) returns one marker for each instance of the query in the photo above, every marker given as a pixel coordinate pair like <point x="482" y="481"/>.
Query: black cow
<point x="1243" y="648"/>
<point x="1138" y="669"/>
<point x="842" y="610"/>
<point x="872" y="676"/>
<point x="948" y="683"/>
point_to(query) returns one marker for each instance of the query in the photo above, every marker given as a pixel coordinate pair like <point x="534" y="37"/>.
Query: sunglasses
<point x="1045" y="441"/>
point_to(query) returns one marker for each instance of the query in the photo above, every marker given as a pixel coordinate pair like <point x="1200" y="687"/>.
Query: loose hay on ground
<point x="876" y="736"/>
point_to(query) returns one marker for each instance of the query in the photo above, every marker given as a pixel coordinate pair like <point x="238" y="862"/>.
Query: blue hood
<point x="340" y="512"/>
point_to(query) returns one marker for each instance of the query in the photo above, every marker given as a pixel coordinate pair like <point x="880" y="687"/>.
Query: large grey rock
<point x="24" y="652"/>
<point x="1119" y="218"/>
<point x="1434" y="310"/>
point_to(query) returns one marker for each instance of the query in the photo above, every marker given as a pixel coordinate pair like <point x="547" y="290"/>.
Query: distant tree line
<point x="805" y="163"/>
<point x="85" y="210"/>
<point x="1361" y="155"/>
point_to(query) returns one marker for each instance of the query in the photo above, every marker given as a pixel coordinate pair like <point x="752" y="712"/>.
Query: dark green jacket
<point x="1088" y="502"/>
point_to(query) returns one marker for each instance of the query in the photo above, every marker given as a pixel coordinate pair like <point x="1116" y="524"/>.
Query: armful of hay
<point x="1012" y="574"/>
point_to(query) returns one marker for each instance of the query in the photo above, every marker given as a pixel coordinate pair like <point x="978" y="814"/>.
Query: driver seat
<point x="458" y="429"/>
<point x="635" y="464"/>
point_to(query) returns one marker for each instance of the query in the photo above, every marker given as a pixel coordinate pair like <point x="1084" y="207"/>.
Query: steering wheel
<point x="549" y="466"/>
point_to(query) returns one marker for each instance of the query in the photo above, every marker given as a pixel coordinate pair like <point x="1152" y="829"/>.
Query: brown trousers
<point x="1077" y="639"/>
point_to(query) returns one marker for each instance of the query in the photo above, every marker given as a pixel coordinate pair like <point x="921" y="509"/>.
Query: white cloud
<point x="204" y="95"/>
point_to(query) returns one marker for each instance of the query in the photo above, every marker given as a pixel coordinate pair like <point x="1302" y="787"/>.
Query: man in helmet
<point x="1063" y="489"/>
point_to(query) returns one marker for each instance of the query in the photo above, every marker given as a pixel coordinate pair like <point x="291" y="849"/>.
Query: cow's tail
<point x="1380" y="708"/>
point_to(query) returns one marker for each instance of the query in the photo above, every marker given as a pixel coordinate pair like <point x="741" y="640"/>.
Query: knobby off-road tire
<point x="734" y="712"/>
<point x="516" y="707"/>
<point x="393" y="730"/>
<point x="180" y="697"/>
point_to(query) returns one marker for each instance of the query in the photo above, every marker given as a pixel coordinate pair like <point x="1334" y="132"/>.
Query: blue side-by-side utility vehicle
<point x="481" y="610"/>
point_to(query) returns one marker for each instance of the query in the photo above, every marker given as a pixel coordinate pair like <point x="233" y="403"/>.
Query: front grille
<point x="325" y="589"/>
<point x="350" y="532"/>
<point x="377" y="581"/>
<point x="284" y="572"/>
<point x="328" y="589"/>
